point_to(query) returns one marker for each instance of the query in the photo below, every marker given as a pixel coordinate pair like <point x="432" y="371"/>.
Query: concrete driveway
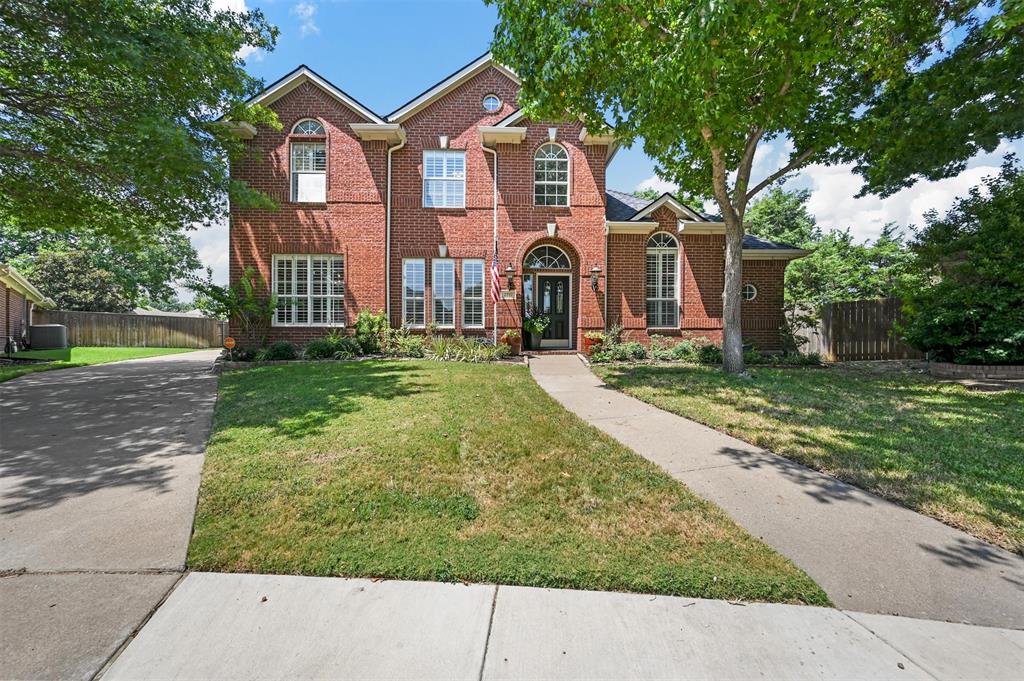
<point x="99" y="473"/>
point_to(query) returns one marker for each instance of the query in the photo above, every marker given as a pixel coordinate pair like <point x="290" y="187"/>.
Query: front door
<point x="554" y="300"/>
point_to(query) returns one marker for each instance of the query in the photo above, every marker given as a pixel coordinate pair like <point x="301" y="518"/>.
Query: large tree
<point x="705" y="83"/>
<point x="143" y="276"/>
<point x="109" y="108"/>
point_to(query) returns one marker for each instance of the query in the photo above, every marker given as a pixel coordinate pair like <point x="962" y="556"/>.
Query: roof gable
<point x="440" y="89"/>
<point x="304" y="74"/>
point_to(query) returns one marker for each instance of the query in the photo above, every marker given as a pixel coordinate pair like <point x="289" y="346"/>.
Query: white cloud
<point x="211" y="243"/>
<point x="656" y="183"/>
<point x="306" y="11"/>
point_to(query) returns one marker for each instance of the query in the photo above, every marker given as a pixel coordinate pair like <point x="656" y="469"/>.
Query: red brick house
<point x="404" y="212"/>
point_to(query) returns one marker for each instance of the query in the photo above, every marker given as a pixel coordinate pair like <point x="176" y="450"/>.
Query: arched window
<point x="547" y="258"/>
<point x="662" y="281"/>
<point x="308" y="163"/>
<point x="308" y="126"/>
<point x="551" y="175"/>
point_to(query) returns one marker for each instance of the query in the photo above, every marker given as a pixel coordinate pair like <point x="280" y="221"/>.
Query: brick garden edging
<point x="949" y="370"/>
<point x="229" y="365"/>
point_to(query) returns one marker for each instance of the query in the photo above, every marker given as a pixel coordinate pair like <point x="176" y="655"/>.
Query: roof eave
<point x="391" y="133"/>
<point x="774" y="253"/>
<point x="305" y="74"/>
<point x="492" y="134"/>
<point x="12" y="278"/>
<point x="673" y="203"/>
<point x="628" y="227"/>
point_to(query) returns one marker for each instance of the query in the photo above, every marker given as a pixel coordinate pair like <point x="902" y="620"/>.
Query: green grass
<point x="450" y="471"/>
<point x="77" y="357"/>
<point x="952" y="453"/>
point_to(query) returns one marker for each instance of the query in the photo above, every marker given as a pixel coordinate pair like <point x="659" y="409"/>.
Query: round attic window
<point x="491" y="103"/>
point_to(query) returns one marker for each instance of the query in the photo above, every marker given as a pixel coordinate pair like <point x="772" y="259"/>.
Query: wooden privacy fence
<point x="859" y="330"/>
<point x="134" y="330"/>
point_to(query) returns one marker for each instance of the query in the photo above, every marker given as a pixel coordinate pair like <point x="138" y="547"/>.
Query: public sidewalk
<point x="868" y="554"/>
<point x="230" y="626"/>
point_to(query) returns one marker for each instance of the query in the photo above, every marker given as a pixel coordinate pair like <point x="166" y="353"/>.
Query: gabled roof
<point x="440" y="89"/>
<point x="304" y="74"/>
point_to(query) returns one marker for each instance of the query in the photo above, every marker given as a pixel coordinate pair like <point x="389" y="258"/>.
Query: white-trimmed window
<point x="491" y="103"/>
<point x="473" y="293"/>
<point x="308" y="126"/>
<point x="442" y="289"/>
<point x="413" y="292"/>
<point x="662" y="279"/>
<point x="309" y="172"/>
<point x="749" y="292"/>
<point x="310" y="290"/>
<point x="444" y="179"/>
<point x="551" y="175"/>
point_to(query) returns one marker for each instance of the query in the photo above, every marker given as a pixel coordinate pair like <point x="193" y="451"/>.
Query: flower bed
<point x="688" y="351"/>
<point x="997" y="371"/>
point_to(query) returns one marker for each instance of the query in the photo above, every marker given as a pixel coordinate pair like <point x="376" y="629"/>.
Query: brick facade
<point x="13" y="311"/>
<point x="352" y="221"/>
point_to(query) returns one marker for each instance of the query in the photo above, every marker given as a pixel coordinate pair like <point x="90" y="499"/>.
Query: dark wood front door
<point x="554" y="300"/>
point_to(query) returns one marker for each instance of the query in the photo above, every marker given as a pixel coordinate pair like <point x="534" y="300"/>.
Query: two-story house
<point x="407" y="213"/>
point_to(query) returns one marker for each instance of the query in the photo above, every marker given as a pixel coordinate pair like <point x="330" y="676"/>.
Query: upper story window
<point x="551" y="175"/>
<point x="491" y="103"/>
<point x="444" y="179"/>
<point x="662" y="281"/>
<point x="308" y="126"/>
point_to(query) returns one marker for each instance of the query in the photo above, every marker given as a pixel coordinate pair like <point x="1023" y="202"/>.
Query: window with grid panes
<point x="662" y="281"/>
<point x="310" y="290"/>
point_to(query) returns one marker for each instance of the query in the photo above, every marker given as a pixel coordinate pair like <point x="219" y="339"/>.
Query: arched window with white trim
<point x="551" y="175"/>
<point x="547" y="258"/>
<point x="662" y="277"/>
<point x="308" y="156"/>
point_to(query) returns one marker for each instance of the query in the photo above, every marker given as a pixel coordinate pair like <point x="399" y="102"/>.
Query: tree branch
<point x="803" y="156"/>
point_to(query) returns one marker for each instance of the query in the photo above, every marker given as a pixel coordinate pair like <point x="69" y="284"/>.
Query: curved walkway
<point x="99" y="472"/>
<point x="868" y="554"/>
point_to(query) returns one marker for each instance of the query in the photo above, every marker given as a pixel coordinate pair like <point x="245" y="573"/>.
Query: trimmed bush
<point x="279" y="350"/>
<point x="320" y="348"/>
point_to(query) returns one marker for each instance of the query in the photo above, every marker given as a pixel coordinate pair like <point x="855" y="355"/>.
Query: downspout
<point x="607" y="242"/>
<point x="387" y="238"/>
<point x="494" y="245"/>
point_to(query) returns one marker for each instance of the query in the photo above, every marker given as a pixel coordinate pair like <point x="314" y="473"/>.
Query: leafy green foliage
<point x="838" y="268"/>
<point x="277" y="351"/>
<point x="110" y="113"/>
<point x="142" y="275"/>
<point x="74" y="282"/>
<point x="371" y="330"/>
<point x="965" y="101"/>
<point x="249" y="304"/>
<point x="460" y="349"/>
<point x="971" y="310"/>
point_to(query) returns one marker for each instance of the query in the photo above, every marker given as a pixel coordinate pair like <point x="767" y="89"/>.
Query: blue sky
<point x="384" y="52"/>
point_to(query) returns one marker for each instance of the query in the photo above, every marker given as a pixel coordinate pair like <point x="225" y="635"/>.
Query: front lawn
<point x="77" y="357"/>
<point x="447" y="471"/>
<point x="954" y="454"/>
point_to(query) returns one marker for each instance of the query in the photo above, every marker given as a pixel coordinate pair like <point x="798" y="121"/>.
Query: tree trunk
<point x="732" y="331"/>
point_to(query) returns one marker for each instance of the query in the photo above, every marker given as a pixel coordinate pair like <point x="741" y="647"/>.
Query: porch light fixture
<point x="510" y="273"/>
<point x="595" y="272"/>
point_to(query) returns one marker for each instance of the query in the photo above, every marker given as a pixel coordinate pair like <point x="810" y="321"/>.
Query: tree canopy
<point x="136" y="276"/>
<point x="109" y="110"/>
<point x="704" y="83"/>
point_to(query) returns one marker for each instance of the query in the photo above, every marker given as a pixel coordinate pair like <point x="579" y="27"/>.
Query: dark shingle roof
<point x="623" y="206"/>
<point x="756" y="242"/>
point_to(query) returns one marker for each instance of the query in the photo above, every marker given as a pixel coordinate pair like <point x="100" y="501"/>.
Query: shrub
<point x="661" y="348"/>
<point x="319" y="348"/>
<point x="709" y="354"/>
<point x="625" y="352"/>
<point x="371" y="331"/>
<point x="459" y="349"/>
<point x="246" y="353"/>
<point x="278" y="350"/>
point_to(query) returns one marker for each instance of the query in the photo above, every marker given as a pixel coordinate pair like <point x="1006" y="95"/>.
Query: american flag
<point x="495" y="280"/>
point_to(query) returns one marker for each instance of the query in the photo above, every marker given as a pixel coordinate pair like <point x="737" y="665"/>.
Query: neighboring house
<point x="402" y="213"/>
<point x="18" y="297"/>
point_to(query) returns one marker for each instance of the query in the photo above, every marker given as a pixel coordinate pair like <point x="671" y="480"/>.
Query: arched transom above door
<point x="547" y="258"/>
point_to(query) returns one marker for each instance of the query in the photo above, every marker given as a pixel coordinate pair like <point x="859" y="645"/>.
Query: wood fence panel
<point x="106" y="329"/>
<point x="859" y="330"/>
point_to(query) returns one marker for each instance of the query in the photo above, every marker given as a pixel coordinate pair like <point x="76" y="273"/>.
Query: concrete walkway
<point x="868" y="554"/>
<point x="224" y="626"/>
<point x="99" y="472"/>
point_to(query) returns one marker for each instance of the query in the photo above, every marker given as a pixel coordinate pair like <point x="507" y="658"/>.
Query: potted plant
<point x="513" y="340"/>
<point x="592" y="341"/>
<point x="536" y="324"/>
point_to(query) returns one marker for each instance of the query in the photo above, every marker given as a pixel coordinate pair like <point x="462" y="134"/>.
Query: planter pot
<point x="591" y="345"/>
<point x="535" y="341"/>
<point x="514" y="344"/>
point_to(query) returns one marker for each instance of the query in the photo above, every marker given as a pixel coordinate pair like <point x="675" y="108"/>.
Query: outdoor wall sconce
<point x="595" y="272"/>
<point x="510" y="273"/>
